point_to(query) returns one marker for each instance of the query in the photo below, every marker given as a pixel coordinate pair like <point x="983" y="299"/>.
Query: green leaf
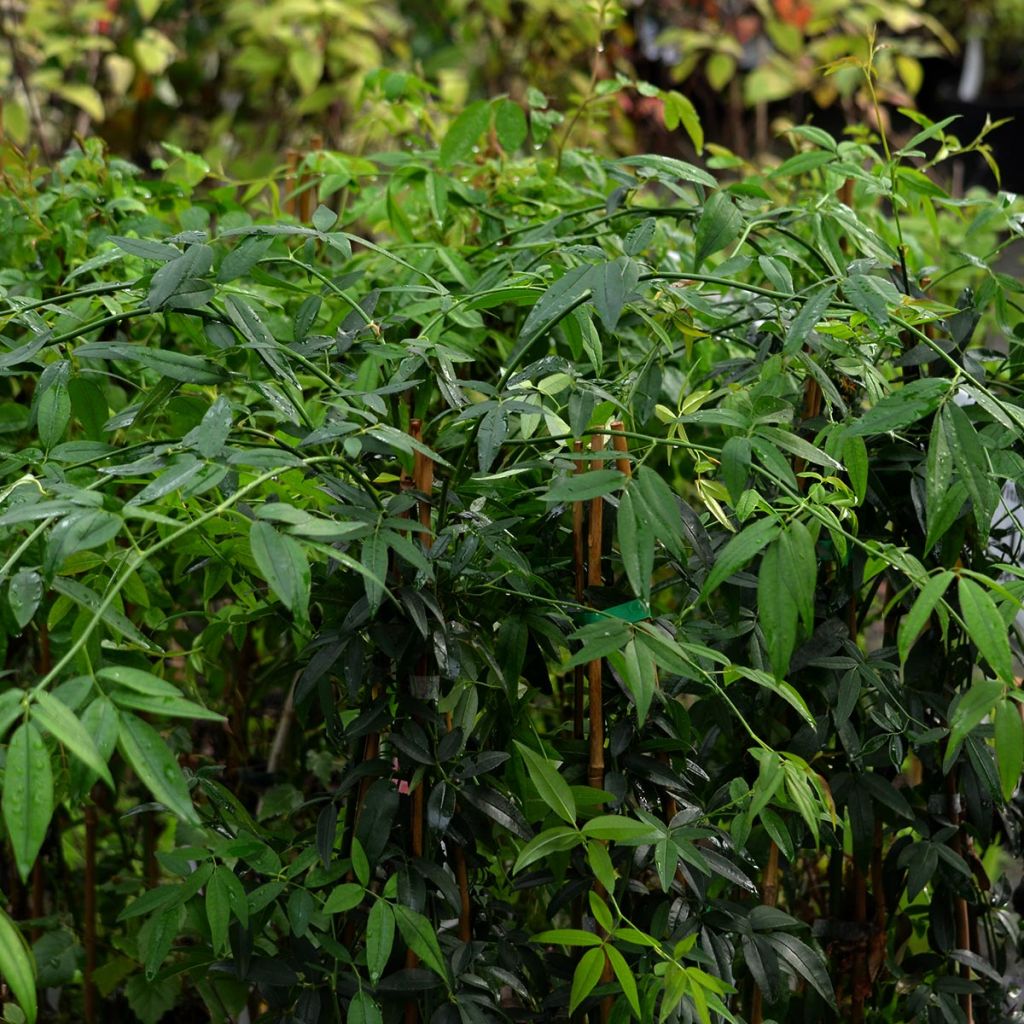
<point x="777" y="273"/>
<point x="625" y="978"/>
<point x="801" y="163"/>
<point x="1009" y="734"/>
<point x="509" y="124"/>
<point x="654" y="496"/>
<point x="420" y="937"/>
<point x="167" y="362"/>
<point x="553" y="789"/>
<point x="972" y="463"/>
<point x="601" y="864"/>
<point x="363" y="1010"/>
<point x="735" y="469"/>
<point x="811" y="314"/>
<point x="739" y="551"/>
<point x="679" y="110"/>
<point x="244" y="257"/>
<point x="10" y="708"/>
<point x="855" y="459"/>
<point x="552" y="840"/>
<point x="986" y="628"/>
<point x="155" y="939"/>
<point x="53" y="412"/>
<point x="100" y="720"/>
<point x="636" y="545"/>
<point x="60" y="722"/>
<point x="612" y="286"/>
<point x="218" y="908"/>
<point x="720" y="223"/>
<point x="778" y="686"/>
<point x="79" y="531"/>
<point x="585" y="486"/>
<point x="640" y="675"/>
<point x="151" y="1000"/>
<point x="195" y="262"/>
<point x="144" y="749"/>
<point x="146" y="249"/>
<point x="344" y="897"/>
<point x="776" y="606"/>
<point x="24" y="593"/>
<point x="561" y="297"/>
<point x="282" y="562"/>
<point x="868" y="294"/>
<point x="152" y="900"/>
<point x="905" y="406"/>
<point x="920" y="611"/>
<point x="380" y="937"/>
<point x="938" y="474"/>
<point x="375" y="559"/>
<point x="463" y="134"/>
<point x="27" y="795"/>
<point x="437" y="196"/>
<point x="18" y="967"/>
<point x="639" y="238"/>
<point x="138" y="680"/>
<point x="970" y="709"/>
<point x="209" y="437"/>
<point x="586" y="976"/>
<point x="668" y="169"/>
<point x="567" y="937"/>
<point x="808" y="963"/>
<point x="796" y="549"/>
<point x="168" y="707"/>
<point x="360" y="863"/>
<point x="620" y="829"/>
<point x="324" y="218"/>
<point x="491" y="436"/>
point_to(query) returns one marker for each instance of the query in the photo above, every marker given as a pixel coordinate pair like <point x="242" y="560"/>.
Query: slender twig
<point x="595" y="538"/>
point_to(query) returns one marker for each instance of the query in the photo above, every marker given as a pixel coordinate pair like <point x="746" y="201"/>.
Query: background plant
<point x="241" y="82"/>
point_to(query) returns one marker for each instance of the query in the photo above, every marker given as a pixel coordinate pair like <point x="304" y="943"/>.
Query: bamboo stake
<point x="621" y="445"/>
<point x="595" y="766"/>
<point x="769" y="897"/>
<point x="579" y="566"/>
<point x="578" y="672"/>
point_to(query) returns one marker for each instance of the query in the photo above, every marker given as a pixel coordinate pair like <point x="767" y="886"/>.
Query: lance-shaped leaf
<point x="777" y="609"/>
<point x="18" y="967"/>
<point x="719" y="224"/>
<point x="282" y="562"/>
<point x="553" y="789"/>
<point x="151" y="759"/>
<point x="60" y="722"/>
<point x="986" y="628"/>
<point x="27" y="795"/>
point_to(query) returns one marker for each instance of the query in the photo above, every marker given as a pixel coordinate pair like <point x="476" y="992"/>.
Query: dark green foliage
<point x="287" y="534"/>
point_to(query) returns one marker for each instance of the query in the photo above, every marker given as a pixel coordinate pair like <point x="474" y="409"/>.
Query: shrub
<point x="536" y="589"/>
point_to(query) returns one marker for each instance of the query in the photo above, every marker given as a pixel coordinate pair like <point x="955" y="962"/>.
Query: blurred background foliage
<point x="241" y="81"/>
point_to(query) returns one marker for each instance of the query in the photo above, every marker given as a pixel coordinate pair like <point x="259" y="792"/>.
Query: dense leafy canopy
<point x="330" y="544"/>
